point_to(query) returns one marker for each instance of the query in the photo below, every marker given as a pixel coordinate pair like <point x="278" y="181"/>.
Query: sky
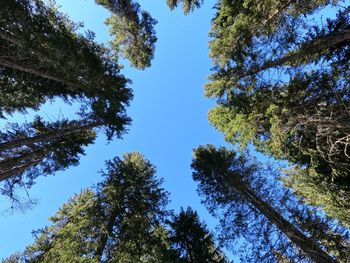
<point x="169" y="113"/>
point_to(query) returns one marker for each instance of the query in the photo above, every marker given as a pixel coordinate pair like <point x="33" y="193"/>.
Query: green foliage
<point x="124" y="220"/>
<point x="40" y="148"/>
<point x="36" y="41"/>
<point x="192" y="241"/>
<point x="121" y="221"/>
<point x="187" y="5"/>
<point x="281" y="79"/>
<point x="133" y="31"/>
<point x="307" y="186"/>
<point x="260" y="219"/>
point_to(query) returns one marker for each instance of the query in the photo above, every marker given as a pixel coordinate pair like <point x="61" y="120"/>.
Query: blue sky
<point x="169" y="113"/>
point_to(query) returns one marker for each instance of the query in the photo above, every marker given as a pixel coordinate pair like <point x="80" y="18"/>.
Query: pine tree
<point x="40" y="148"/>
<point x="281" y="80"/>
<point x="121" y="220"/>
<point x="133" y="31"/>
<point x="36" y="41"/>
<point x="192" y="241"/>
<point x="250" y="206"/>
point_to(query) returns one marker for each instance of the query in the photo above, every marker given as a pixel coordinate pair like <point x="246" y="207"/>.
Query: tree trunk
<point x="306" y="49"/>
<point x="107" y="232"/>
<point x="19" y="169"/>
<point x="13" y="65"/>
<point x="307" y="245"/>
<point x="73" y="129"/>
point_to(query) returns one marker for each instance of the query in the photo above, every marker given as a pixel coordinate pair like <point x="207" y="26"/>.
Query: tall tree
<point x="36" y="41"/>
<point x="281" y="80"/>
<point x="238" y="189"/>
<point x="123" y="219"/>
<point x="120" y="221"/>
<point x="40" y="148"/>
<point x="192" y="241"/>
<point x="133" y="31"/>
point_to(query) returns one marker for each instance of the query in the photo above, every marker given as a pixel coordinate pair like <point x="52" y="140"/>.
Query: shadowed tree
<point x="36" y="41"/>
<point x="281" y="80"/>
<point x="239" y="191"/>
<point x="120" y="221"/>
<point x="192" y="241"/>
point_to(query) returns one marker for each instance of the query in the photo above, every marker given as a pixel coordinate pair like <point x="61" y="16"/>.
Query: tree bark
<point x="108" y="231"/>
<point x="13" y="65"/>
<point x="18" y="170"/>
<point x="313" y="47"/>
<point x="307" y="245"/>
<point x="73" y="129"/>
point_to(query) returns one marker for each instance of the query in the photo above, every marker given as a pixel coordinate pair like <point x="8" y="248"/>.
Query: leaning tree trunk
<point x="307" y="245"/>
<point x="315" y="46"/>
<point x="55" y="134"/>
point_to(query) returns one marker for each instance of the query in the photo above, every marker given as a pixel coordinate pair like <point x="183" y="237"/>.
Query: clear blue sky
<point x="169" y="113"/>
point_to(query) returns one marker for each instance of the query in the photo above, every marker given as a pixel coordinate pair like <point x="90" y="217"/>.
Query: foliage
<point x="123" y="219"/>
<point x="133" y="31"/>
<point x="258" y="215"/>
<point x="281" y="80"/>
<point x="192" y="241"/>
<point x="40" y="148"/>
<point x="187" y="5"/>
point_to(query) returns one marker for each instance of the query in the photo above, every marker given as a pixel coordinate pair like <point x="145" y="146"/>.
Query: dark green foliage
<point x="124" y="220"/>
<point x="192" y="241"/>
<point x="35" y="42"/>
<point x="133" y="31"/>
<point x="281" y="79"/>
<point x="121" y="221"/>
<point x="261" y="216"/>
<point x="187" y="5"/>
<point x="43" y="58"/>
<point x="40" y="148"/>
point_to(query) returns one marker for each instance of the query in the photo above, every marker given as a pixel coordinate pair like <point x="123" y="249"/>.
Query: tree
<point x="308" y="187"/>
<point x="281" y="80"/>
<point x="133" y="31"/>
<point x="40" y="148"/>
<point x="123" y="219"/>
<point x="238" y="189"/>
<point x="192" y="241"/>
<point x="119" y="221"/>
<point x="36" y="41"/>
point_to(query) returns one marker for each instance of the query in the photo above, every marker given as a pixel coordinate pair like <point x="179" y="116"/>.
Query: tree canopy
<point x="123" y="219"/>
<point x="258" y="214"/>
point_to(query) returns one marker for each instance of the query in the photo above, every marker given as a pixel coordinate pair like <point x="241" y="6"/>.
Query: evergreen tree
<point x="121" y="221"/>
<point x="281" y="80"/>
<point x="40" y="148"/>
<point x="240" y="192"/>
<point x="133" y="31"/>
<point x="42" y="57"/>
<point x="192" y="241"/>
<point x="36" y="41"/>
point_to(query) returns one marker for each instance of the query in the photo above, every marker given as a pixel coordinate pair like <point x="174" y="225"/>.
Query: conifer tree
<point x="42" y="57"/>
<point x="133" y="31"/>
<point x="281" y="80"/>
<point x="40" y="148"/>
<point x="119" y="221"/>
<point x="123" y="219"/>
<point x="239" y="191"/>
<point x="192" y="241"/>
